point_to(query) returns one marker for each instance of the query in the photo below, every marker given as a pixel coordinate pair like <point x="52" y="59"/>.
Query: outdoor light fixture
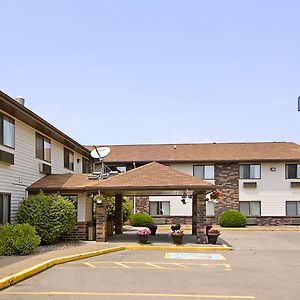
<point x="183" y="201"/>
<point x="273" y="169"/>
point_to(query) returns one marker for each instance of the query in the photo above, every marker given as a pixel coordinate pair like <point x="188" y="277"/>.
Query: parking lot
<point x="264" y="265"/>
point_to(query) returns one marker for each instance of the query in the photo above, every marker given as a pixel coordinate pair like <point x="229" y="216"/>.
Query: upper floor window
<point x="42" y="147"/>
<point x="86" y="165"/>
<point x="4" y="208"/>
<point x="159" y="208"/>
<point x="250" y="171"/>
<point x="204" y="172"/>
<point x="250" y="208"/>
<point x="68" y="159"/>
<point x="292" y="171"/>
<point x="292" y="208"/>
<point x="7" y="131"/>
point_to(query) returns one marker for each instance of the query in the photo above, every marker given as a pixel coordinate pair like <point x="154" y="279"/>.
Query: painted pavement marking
<point x="99" y="294"/>
<point x="204" y="256"/>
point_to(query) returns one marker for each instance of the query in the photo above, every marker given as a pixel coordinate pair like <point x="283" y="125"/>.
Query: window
<point x="86" y="165"/>
<point x="250" y="171"/>
<point x="204" y="172"/>
<point x="292" y="171"/>
<point x="7" y="131"/>
<point x="42" y="147"/>
<point x="4" y="208"/>
<point x="292" y="208"/>
<point x="250" y="208"/>
<point x="160" y="208"/>
<point x="210" y="208"/>
<point x="68" y="159"/>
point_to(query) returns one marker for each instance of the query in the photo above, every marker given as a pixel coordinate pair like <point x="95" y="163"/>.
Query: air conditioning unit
<point x="44" y="168"/>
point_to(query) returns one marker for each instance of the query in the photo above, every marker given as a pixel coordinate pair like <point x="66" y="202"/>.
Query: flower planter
<point x="143" y="239"/>
<point x="212" y="238"/>
<point x="177" y="238"/>
<point x="153" y="229"/>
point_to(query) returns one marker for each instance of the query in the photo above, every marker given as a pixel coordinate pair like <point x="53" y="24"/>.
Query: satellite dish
<point x="100" y="152"/>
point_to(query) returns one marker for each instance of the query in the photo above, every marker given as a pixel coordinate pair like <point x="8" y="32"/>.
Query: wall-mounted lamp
<point x="78" y="160"/>
<point x="273" y="169"/>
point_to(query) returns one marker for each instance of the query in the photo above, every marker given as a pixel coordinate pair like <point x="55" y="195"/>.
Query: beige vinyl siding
<point x="15" y="178"/>
<point x="273" y="190"/>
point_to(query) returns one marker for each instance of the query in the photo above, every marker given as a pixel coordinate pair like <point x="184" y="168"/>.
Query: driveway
<point x="264" y="265"/>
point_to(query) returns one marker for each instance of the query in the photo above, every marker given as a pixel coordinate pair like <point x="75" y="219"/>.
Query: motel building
<point x="262" y="180"/>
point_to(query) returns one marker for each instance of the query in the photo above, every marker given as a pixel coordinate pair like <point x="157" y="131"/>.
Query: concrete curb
<point x="17" y="277"/>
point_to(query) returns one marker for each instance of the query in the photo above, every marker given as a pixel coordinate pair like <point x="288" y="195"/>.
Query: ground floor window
<point x="4" y="208"/>
<point x="292" y="208"/>
<point x="250" y="208"/>
<point x="74" y="200"/>
<point x="160" y="208"/>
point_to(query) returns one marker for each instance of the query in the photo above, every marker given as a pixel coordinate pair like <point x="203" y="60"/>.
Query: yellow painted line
<point x="154" y="265"/>
<point x="17" y="277"/>
<point x="222" y="247"/>
<point x="128" y="294"/>
<point x="122" y="265"/>
<point x="90" y="265"/>
<point x="180" y="265"/>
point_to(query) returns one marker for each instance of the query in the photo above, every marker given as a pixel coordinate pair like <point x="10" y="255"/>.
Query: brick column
<point x="101" y="217"/>
<point x="194" y="214"/>
<point x="118" y="214"/>
<point x="201" y="211"/>
<point x="142" y="204"/>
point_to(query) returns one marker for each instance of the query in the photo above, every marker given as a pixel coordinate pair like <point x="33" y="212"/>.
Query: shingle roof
<point x="152" y="176"/>
<point x="214" y="152"/>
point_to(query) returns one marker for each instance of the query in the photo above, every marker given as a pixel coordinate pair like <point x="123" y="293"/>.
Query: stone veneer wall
<point x="227" y="181"/>
<point x="142" y="204"/>
<point x="79" y="233"/>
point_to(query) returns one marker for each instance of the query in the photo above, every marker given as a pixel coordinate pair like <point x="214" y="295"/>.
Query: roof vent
<point x="20" y="100"/>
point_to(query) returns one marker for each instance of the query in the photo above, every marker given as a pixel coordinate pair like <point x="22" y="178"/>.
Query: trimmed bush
<point x="51" y="216"/>
<point x="141" y="220"/>
<point x="232" y="218"/>
<point x="20" y="239"/>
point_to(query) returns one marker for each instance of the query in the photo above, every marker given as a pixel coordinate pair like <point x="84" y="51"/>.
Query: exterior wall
<point x="15" y="178"/>
<point x="273" y="190"/>
<point x="227" y="181"/>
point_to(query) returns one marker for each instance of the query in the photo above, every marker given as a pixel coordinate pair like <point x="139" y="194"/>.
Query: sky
<point x="156" y="71"/>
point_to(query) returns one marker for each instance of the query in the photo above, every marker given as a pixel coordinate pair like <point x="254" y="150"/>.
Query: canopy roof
<point x="150" y="179"/>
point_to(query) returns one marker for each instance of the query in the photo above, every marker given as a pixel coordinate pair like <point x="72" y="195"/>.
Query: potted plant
<point x="212" y="235"/>
<point x="177" y="236"/>
<point x="152" y="228"/>
<point x="143" y="235"/>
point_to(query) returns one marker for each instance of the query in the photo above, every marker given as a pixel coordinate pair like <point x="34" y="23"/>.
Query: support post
<point x="118" y="214"/>
<point x="101" y="217"/>
<point x="194" y="214"/>
<point x="201" y="212"/>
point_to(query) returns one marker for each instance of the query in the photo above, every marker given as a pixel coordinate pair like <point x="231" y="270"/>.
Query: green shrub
<point x="232" y="218"/>
<point x="20" y="239"/>
<point x="51" y="215"/>
<point x="141" y="220"/>
<point x="126" y="207"/>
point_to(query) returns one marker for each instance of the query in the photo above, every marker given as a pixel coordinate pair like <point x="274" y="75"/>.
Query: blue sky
<point x="123" y="72"/>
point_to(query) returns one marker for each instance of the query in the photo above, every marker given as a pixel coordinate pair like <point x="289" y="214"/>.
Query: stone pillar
<point x="118" y="214"/>
<point x="142" y="205"/>
<point x="101" y="217"/>
<point x="201" y="212"/>
<point x="194" y="214"/>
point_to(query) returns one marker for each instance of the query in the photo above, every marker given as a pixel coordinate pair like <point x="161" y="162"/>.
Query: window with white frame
<point x="7" y="131"/>
<point x="292" y="208"/>
<point x="292" y="171"/>
<point x="68" y="159"/>
<point x="250" y="208"/>
<point x="250" y="171"/>
<point x="4" y="208"/>
<point x="210" y="208"/>
<point x="204" y="172"/>
<point x="160" y="208"/>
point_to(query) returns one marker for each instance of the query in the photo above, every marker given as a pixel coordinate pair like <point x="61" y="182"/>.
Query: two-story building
<point x="31" y="148"/>
<point x="262" y="180"/>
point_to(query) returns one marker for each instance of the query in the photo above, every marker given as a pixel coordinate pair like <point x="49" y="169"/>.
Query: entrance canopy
<point x="150" y="179"/>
